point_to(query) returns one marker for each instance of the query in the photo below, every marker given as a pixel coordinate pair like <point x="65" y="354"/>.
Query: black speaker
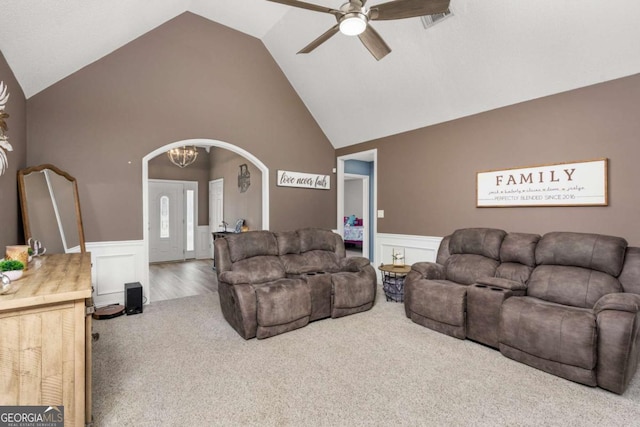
<point x="133" y="298"/>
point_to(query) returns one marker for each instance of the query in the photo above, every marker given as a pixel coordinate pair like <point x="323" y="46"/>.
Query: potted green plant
<point x="12" y="269"/>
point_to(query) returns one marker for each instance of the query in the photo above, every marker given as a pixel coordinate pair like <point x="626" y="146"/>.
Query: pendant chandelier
<point x="183" y="156"/>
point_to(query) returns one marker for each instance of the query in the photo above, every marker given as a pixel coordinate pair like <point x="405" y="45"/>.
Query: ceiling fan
<point x="353" y="19"/>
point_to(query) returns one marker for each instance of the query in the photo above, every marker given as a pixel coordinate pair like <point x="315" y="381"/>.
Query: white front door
<point x="216" y="206"/>
<point x="166" y="221"/>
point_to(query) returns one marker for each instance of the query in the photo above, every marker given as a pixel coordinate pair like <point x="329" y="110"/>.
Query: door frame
<point x="212" y="226"/>
<point x="201" y="142"/>
<point x="368" y="156"/>
<point x="364" y="179"/>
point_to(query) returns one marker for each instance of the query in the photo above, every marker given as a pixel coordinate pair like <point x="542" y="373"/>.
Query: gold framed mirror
<point x="51" y="209"/>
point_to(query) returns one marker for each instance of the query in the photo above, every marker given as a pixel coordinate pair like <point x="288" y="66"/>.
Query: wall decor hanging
<point x="4" y="140"/>
<point x="244" y="178"/>
<point x="303" y="180"/>
<point x="582" y="183"/>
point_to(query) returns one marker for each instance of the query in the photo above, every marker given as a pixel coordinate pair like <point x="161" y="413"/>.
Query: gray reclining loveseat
<point x="566" y="303"/>
<point x="270" y="283"/>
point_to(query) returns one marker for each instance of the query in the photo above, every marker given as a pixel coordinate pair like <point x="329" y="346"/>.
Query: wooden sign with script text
<point x="563" y="184"/>
<point x="303" y="180"/>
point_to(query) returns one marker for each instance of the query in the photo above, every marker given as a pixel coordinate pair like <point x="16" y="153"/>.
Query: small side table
<point x="393" y="281"/>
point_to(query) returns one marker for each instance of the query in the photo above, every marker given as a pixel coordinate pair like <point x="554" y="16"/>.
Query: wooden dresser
<point x="45" y="337"/>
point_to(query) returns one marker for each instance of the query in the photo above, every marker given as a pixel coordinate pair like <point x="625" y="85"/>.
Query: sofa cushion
<point x="439" y="300"/>
<point x="478" y="241"/>
<point x="575" y="286"/>
<point x="465" y="269"/>
<point x="283" y="301"/>
<point x="317" y="239"/>
<point x="562" y="334"/>
<point x="288" y="242"/>
<point x="260" y="269"/>
<point x="250" y="244"/>
<point x="594" y="251"/>
<point x="519" y="248"/>
<point x="352" y="289"/>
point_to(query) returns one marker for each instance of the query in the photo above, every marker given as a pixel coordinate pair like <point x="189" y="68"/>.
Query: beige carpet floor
<point x="180" y="364"/>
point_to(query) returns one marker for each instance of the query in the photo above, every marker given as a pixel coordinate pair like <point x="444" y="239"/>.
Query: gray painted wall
<point x="10" y="217"/>
<point x="189" y="78"/>
<point x="427" y="177"/>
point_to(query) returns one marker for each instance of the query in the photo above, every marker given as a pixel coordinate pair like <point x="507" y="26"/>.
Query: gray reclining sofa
<point x="565" y="303"/>
<point x="270" y="283"/>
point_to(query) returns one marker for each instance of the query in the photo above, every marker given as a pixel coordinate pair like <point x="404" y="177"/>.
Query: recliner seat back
<point x="577" y="269"/>
<point x="309" y="250"/>
<point x="255" y="254"/>
<point x="321" y="248"/>
<point x="517" y="256"/>
<point x="473" y="253"/>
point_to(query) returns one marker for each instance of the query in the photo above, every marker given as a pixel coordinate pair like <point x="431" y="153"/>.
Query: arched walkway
<point x="198" y="143"/>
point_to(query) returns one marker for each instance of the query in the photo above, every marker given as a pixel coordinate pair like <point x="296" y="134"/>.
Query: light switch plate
<point x="380" y="213"/>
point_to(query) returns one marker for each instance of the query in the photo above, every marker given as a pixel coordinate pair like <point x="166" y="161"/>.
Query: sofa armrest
<point x="354" y="264"/>
<point x="234" y="277"/>
<point x="622" y="301"/>
<point x="429" y="270"/>
<point x="498" y="282"/>
<point x="618" y="320"/>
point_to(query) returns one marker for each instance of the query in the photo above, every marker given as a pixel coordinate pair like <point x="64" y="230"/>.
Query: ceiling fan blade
<point x="323" y="38"/>
<point x="374" y="43"/>
<point x="309" y="6"/>
<point x="400" y="9"/>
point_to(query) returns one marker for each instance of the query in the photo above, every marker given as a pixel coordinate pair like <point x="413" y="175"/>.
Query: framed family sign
<point x="581" y="183"/>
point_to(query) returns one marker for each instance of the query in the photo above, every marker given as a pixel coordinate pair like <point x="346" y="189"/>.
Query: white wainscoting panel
<point x="416" y="248"/>
<point x="204" y="242"/>
<point x="114" y="264"/>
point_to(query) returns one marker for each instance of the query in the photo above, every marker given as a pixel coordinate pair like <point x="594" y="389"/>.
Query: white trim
<point x="114" y="264"/>
<point x="201" y="142"/>
<point x="212" y="225"/>
<point x="416" y="248"/>
<point x="365" y="211"/>
<point x="340" y="189"/>
<point x="203" y="242"/>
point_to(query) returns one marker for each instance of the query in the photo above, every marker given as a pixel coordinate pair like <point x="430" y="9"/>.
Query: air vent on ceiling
<point x="431" y="20"/>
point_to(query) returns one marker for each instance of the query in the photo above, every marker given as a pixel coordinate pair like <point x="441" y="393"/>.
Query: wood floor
<point x="170" y="280"/>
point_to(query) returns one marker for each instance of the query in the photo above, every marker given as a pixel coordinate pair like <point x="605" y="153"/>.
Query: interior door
<point x="166" y="221"/>
<point x="216" y="206"/>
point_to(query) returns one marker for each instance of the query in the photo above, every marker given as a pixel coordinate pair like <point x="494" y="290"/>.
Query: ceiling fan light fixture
<point x="353" y="24"/>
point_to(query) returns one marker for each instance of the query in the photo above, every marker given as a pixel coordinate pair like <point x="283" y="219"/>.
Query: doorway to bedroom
<point x="356" y="208"/>
<point x="357" y="202"/>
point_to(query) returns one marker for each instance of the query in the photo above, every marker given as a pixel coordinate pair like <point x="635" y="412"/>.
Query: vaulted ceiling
<point x="489" y="54"/>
